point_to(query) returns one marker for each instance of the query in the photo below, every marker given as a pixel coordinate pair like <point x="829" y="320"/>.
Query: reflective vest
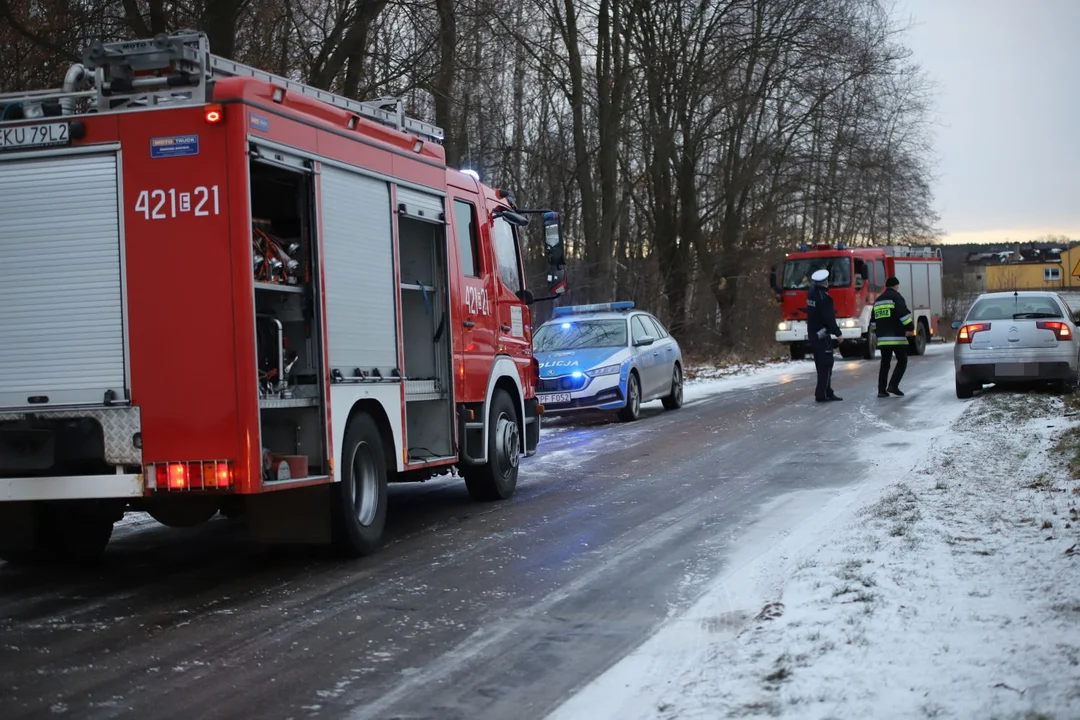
<point x="891" y="319"/>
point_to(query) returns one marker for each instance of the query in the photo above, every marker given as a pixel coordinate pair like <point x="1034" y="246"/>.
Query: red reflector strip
<point x="190" y="475"/>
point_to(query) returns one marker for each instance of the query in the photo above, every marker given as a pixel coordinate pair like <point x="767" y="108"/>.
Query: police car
<point x="606" y="356"/>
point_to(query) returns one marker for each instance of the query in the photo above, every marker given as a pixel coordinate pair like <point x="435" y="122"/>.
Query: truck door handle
<point x="469" y="323"/>
<point x="504" y="328"/>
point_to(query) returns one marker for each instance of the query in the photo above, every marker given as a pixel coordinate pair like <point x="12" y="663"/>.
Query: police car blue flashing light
<point x="595" y="307"/>
<point x="607" y="359"/>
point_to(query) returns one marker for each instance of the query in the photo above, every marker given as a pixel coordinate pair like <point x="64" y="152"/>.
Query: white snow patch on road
<point x="943" y="585"/>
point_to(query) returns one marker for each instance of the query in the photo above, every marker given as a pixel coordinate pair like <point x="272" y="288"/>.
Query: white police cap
<point x="820" y="276"/>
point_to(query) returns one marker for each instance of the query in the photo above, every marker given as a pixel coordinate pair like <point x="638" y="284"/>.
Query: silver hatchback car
<point x="1018" y="336"/>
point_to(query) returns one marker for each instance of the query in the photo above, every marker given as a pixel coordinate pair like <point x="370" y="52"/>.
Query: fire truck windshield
<point x="797" y="272"/>
<point x="573" y="334"/>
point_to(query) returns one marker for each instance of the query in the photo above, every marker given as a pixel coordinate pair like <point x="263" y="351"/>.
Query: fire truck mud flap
<point x="532" y="427"/>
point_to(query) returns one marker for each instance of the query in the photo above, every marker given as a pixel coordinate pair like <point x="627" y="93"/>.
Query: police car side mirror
<point x="642" y="342"/>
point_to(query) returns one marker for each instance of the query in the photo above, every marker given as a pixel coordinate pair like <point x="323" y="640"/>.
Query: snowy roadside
<point x="946" y="585"/>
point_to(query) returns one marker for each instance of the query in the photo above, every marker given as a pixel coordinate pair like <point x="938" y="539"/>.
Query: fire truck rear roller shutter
<point x="62" y="323"/>
<point x="421" y="206"/>
<point x="359" y="262"/>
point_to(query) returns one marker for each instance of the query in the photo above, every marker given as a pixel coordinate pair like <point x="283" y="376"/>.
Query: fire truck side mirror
<point x="512" y="217"/>
<point x="773" y="282"/>
<point x="556" y="254"/>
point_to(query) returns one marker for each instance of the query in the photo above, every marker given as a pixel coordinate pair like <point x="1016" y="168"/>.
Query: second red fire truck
<point x="228" y="291"/>
<point x="856" y="277"/>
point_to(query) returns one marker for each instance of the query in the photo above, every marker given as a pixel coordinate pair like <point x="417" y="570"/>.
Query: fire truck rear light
<point x="214" y="113"/>
<point x="177" y="477"/>
<point x="192" y="475"/>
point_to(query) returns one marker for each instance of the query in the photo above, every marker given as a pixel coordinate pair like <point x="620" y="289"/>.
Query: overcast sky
<point x="1008" y="113"/>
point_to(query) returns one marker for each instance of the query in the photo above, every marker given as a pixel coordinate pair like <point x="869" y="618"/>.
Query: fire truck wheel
<point x="182" y="512"/>
<point x="632" y="411"/>
<point x="674" y="400"/>
<point x="797" y="352"/>
<point x="77" y="531"/>
<point x="870" y="346"/>
<point x="918" y="344"/>
<point x="497" y="478"/>
<point x="359" y="500"/>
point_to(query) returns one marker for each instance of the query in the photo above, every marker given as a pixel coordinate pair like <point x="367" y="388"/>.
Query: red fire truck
<point x="856" y="277"/>
<point x="228" y="291"/>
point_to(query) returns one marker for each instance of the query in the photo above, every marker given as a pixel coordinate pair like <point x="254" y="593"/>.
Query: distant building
<point x="1025" y="269"/>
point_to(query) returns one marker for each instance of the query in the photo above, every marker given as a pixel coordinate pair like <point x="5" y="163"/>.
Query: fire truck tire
<point x="497" y="478"/>
<point x="182" y="512"/>
<point x="797" y="352"/>
<point x="870" y="346"/>
<point x="918" y="343"/>
<point x="632" y="411"/>
<point x="77" y="531"/>
<point x="359" y="500"/>
<point x="674" y="400"/>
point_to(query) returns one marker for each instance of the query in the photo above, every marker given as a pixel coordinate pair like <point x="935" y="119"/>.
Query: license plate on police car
<point x="29" y="136"/>
<point x="554" y="398"/>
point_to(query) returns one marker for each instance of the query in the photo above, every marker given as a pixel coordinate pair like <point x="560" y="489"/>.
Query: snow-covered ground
<point x="946" y="584"/>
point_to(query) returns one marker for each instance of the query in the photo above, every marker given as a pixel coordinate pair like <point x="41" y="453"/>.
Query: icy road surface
<point x="471" y="611"/>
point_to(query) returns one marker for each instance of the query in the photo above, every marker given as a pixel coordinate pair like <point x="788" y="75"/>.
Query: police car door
<point x="647" y="354"/>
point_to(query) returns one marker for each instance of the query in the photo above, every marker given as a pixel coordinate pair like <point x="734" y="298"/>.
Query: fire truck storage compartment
<point x="63" y="287"/>
<point x="288" y="346"/>
<point x="425" y="321"/>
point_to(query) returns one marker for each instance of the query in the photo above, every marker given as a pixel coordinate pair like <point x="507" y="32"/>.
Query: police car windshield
<point x="573" y="334"/>
<point x="797" y="272"/>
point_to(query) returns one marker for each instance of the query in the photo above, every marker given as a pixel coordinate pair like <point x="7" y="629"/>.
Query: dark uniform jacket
<point x="820" y="314"/>
<point x="891" y="318"/>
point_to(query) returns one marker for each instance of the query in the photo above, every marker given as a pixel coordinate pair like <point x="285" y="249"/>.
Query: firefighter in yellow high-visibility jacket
<point x="893" y="323"/>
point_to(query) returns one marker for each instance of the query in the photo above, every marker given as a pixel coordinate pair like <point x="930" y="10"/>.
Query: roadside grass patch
<point x="1068" y="447"/>
<point x="715" y="367"/>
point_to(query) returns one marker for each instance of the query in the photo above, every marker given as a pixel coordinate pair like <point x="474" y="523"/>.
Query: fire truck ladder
<point x="179" y="68"/>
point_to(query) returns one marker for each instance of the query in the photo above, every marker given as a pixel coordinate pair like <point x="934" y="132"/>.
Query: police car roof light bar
<point x="595" y="307"/>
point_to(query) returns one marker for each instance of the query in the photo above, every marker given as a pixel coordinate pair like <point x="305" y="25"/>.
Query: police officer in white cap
<point x="820" y="325"/>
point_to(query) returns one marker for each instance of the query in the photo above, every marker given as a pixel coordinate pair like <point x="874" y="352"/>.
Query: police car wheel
<point x="497" y="478"/>
<point x="674" y="401"/>
<point x="633" y="399"/>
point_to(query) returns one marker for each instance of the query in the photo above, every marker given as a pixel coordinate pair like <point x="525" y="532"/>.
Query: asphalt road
<point x="471" y="611"/>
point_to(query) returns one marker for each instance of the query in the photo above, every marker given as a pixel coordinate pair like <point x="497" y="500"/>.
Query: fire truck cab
<point x="228" y="291"/>
<point x="856" y="277"/>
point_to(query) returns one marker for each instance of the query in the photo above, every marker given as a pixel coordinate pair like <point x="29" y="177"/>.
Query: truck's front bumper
<point x="794" y="331"/>
<point x="76" y="487"/>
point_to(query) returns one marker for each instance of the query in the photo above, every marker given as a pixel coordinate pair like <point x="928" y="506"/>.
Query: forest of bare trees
<point x="688" y="143"/>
